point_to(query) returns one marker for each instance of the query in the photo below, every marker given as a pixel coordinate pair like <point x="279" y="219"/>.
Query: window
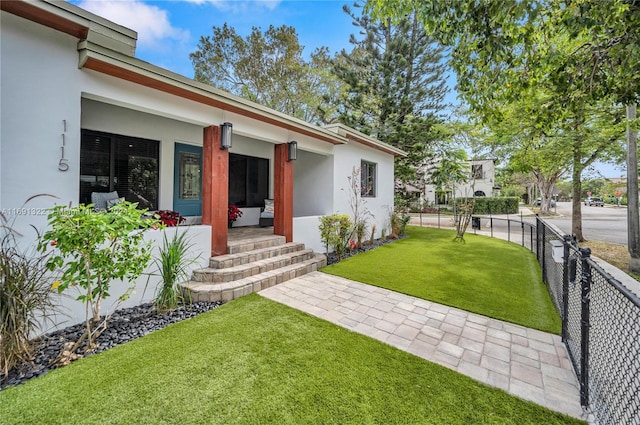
<point x="476" y="172"/>
<point x="368" y="179"/>
<point x="128" y="165"/>
<point x="248" y="180"/>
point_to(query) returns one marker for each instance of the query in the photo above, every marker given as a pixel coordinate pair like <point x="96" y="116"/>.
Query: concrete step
<point x="250" y="269"/>
<point x="257" y="242"/>
<point x="231" y="260"/>
<point x="227" y="291"/>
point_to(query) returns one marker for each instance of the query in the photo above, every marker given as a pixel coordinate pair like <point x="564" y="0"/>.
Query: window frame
<point x="115" y="140"/>
<point x="368" y="173"/>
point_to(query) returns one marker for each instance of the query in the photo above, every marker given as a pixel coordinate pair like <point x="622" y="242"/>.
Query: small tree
<point x="359" y="210"/>
<point x="93" y="248"/>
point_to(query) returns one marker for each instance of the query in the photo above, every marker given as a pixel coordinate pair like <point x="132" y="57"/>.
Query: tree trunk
<point x="576" y="214"/>
<point x="633" y="219"/>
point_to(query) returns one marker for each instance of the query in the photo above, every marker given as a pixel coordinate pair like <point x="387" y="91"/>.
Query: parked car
<point x="594" y="202"/>
<point x="539" y="202"/>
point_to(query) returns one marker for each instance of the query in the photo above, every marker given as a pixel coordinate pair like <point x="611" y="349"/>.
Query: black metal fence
<point x="600" y="317"/>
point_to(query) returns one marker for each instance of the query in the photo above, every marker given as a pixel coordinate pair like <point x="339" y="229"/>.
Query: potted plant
<point x="234" y="213"/>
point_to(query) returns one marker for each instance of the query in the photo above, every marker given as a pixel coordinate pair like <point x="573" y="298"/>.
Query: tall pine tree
<point x="395" y="87"/>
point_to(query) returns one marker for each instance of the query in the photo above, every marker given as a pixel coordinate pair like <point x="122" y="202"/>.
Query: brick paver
<point x="524" y="362"/>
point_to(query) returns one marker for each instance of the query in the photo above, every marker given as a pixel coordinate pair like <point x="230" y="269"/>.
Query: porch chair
<point x="266" y="214"/>
<point x="104" y="200"/>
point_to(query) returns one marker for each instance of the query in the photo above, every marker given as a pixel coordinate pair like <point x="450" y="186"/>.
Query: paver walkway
<point x="527" y="363"/>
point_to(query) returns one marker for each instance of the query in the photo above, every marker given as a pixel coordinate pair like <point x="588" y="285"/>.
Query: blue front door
<point x="187" y="183"/>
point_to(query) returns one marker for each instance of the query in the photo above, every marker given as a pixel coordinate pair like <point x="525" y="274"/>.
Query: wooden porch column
<point x="215" y="189"/>
<point x="283" y="193"/>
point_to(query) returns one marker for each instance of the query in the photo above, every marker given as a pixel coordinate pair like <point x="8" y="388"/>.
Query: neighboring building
<point x="81" y="115"/>
<point x="481" y="182"/>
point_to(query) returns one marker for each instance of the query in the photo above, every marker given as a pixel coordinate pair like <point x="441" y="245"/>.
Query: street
<point x="608" y="223"/>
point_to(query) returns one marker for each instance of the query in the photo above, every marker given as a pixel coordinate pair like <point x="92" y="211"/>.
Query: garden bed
<point x="124" y="325"/>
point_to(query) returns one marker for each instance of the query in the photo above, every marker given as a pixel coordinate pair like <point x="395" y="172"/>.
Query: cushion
<point x="268" y="206"/>
<point x="112" y="202"/>
<point x="99" y="199"/>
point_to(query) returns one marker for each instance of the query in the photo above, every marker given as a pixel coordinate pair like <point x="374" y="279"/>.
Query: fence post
<point x="585" y="254"/>
<point x="508" y="230"/>
<point x="565" y="287"/>
<point x="543" y="248"/>
<point x="531" y="236"/>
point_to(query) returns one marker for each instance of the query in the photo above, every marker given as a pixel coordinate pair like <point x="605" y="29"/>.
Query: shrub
<point x="335" y="232"/>
<point x="93" y="248"/>
<point x="25" y="295"/>
<point x="173" y="266"/>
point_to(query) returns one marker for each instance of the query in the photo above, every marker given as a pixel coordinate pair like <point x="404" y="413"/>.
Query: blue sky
<point x="169" y="30"/>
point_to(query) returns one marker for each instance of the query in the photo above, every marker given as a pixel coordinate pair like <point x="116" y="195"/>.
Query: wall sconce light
<point x="226" y="131"/>
<point x="292" y="150"/>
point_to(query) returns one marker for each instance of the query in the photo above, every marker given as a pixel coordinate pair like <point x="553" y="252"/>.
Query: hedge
<point x="502" y="205"/>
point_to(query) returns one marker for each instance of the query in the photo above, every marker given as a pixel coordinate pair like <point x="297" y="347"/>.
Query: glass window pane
<point x="95" y="152"/>
<point x="189" y="177"/>
<point x="136" y="171"/>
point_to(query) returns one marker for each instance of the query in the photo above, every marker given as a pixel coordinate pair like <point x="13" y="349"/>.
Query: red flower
<point x="234" y="213"/>
<point x="170" y="218"/>
<point x="54" y="243"/>
<point x="352" y="244"/>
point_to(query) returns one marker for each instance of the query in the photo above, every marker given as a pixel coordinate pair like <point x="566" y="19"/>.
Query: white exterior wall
<point x="484" y="184"/>
<point x="312" y="184"/>
<point x="346" y="158"/>
<point x="40" y="84"/>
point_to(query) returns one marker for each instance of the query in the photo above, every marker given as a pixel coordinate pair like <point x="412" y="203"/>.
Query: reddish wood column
<point x="283" y="193"/>
<point x="215" y="189"/>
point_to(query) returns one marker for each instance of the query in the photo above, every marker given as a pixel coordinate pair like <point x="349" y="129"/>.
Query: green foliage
<point x="173" y="267"/>
<point x="360" y="230"/>
<point x="395" y="85"/>
<point x="335" y="231"/>
<point x="91" y="249"/>
<point x="494" y="205"/>
<point x="397" y="223"/>
<point x="25" y="300"/>
<point x="269" y="68"/>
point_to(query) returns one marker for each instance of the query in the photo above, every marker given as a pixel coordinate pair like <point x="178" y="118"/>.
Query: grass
<point x="487" y="276"/>
<point x="254" y="361"/>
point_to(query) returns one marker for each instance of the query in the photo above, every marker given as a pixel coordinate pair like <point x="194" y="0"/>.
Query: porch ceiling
<point x="127" y="68"/>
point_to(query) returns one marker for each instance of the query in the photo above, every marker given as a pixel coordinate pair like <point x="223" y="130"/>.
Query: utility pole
<point x="633" y="217"/>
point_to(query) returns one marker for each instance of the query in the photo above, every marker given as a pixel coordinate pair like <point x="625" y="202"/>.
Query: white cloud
<point x="150" y="22"/>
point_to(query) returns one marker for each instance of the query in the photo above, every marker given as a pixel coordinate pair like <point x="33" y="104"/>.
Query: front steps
<point x="253" y="263"/>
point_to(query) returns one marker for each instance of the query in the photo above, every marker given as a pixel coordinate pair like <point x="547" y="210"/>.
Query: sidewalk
<point x="527" y="363"/>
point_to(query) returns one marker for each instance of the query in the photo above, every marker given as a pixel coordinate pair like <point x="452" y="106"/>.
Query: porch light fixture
<point x="292" y="150"/>
<point x="226" y="131"/>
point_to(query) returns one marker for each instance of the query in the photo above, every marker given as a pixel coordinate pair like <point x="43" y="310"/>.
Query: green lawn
<point x="487" y="276"/>
<point x="254" y="361"/>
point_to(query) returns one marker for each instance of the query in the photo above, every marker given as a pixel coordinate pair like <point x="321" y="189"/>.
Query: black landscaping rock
<point x="123" y="326"/>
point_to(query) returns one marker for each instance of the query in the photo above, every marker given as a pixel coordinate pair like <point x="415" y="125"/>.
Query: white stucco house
<point x="80" y="114"/>
<point x="481" y="182"/>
